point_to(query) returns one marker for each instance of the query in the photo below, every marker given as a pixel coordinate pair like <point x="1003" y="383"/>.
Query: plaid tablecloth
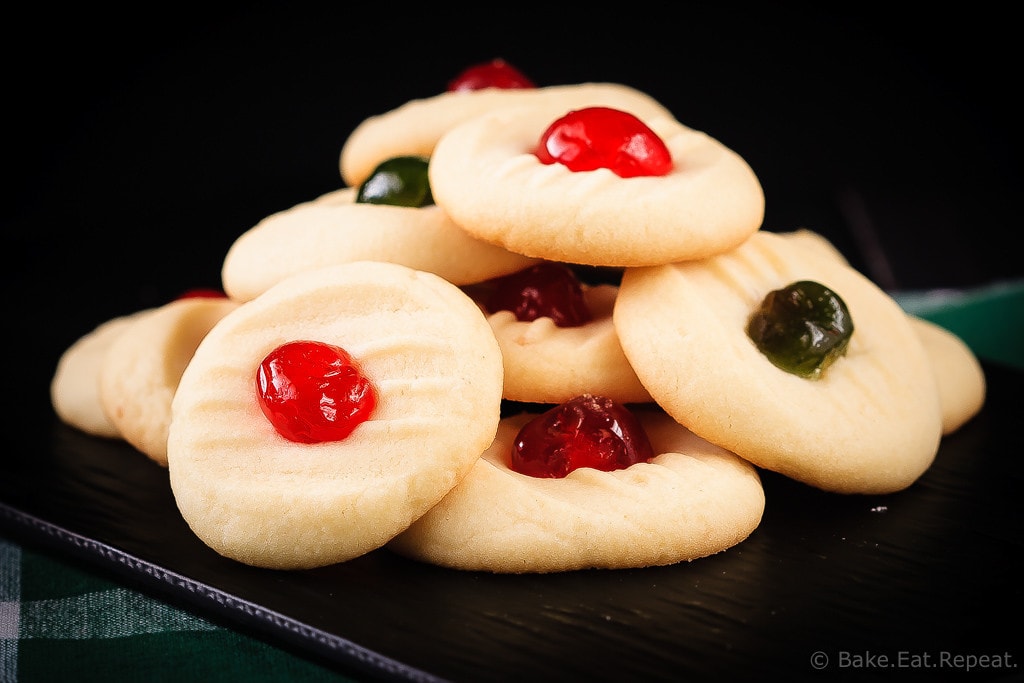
<point x="59" y="622"/>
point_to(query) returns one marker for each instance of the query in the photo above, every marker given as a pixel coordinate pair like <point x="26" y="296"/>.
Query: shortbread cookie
<point x="485" y="175"/>
<point x="545" y="363"/>
<point x="958" y="373"/>
<point x="816" y="241"/>
<point x="692" y="500"/>
<point x="416" y="126"/>
<point x="75" y="387"/>
<point x="140" y="371"/>
<point x="870" y="424"/>
<point x="262" y="499"/>
<point x="334" y="229"/>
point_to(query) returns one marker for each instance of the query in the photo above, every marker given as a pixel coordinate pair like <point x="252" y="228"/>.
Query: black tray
<point x="928" y="574"/>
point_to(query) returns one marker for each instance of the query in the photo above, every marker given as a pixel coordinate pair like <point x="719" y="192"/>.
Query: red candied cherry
<point x="602" y="137"/>
<point x="202" y="293"/>
<point x="496" y="73"/>
<point x="546" y="289"/>
<point x="587" y="431"/>
<point x="313" y="392"/>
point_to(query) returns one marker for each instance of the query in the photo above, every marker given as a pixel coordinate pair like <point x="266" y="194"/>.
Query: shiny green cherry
<point x="398" y="181"/>
<point x="802" y="328"/>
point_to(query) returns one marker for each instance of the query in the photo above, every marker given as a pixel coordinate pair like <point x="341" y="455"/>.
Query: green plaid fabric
<point x="59" y="623"/>
<point x="989" y="319"/>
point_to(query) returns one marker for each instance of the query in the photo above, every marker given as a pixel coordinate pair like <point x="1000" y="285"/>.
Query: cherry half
<point x="546" y="289"/>
<point x="398" y="181"/>
<point x="313" y="392"/>
<point x="496" y="73"/>
<point x="601" y="137"/>
<point x="586" y="431"/>
<point x="802" y="328"/>
<point x="202" y="293"/>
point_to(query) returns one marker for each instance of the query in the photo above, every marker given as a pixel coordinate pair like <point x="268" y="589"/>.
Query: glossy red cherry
<point x="546" y="289"/>
<point x="496" y="73"/>
<point x="313" y="392"/>
<point x="202" y="293"/>
<point x="587" y="431"/>
<point x="601" y="137"/>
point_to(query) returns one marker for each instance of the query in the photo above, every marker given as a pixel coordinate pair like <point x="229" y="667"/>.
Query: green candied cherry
<point x="496" y="73"/>
<point x="586" y="431"/>
<point x="802" y="328"/>
<point x="313" y="392"/>
<point x="546" y="289"/>
<point x="398" y="181"/>
<point x="601" y="137"/>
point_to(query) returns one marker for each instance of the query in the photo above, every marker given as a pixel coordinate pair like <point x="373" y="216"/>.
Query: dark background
<point x="140" y="146"/>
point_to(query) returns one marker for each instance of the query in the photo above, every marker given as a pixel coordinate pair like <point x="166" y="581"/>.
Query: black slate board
<point x="930" y="572"/>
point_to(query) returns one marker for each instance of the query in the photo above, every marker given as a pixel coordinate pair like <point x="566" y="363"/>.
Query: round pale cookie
<point x="870" y="424"/>
<point x="334" y="229"/>
<point x="256" y="497"/>
<point x="75" y="386"/>
<point x="416" y="126"/>
<point x="485" y="175"/>
<point x="816" y="241"/>
<point x="140" y="371"/>
<point x="692" y="500"/>
<point x="958" y="373"/>
<point x="545" y="363"/>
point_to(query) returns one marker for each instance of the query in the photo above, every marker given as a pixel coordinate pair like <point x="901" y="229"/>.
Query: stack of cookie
<point x="595" y="177"/>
